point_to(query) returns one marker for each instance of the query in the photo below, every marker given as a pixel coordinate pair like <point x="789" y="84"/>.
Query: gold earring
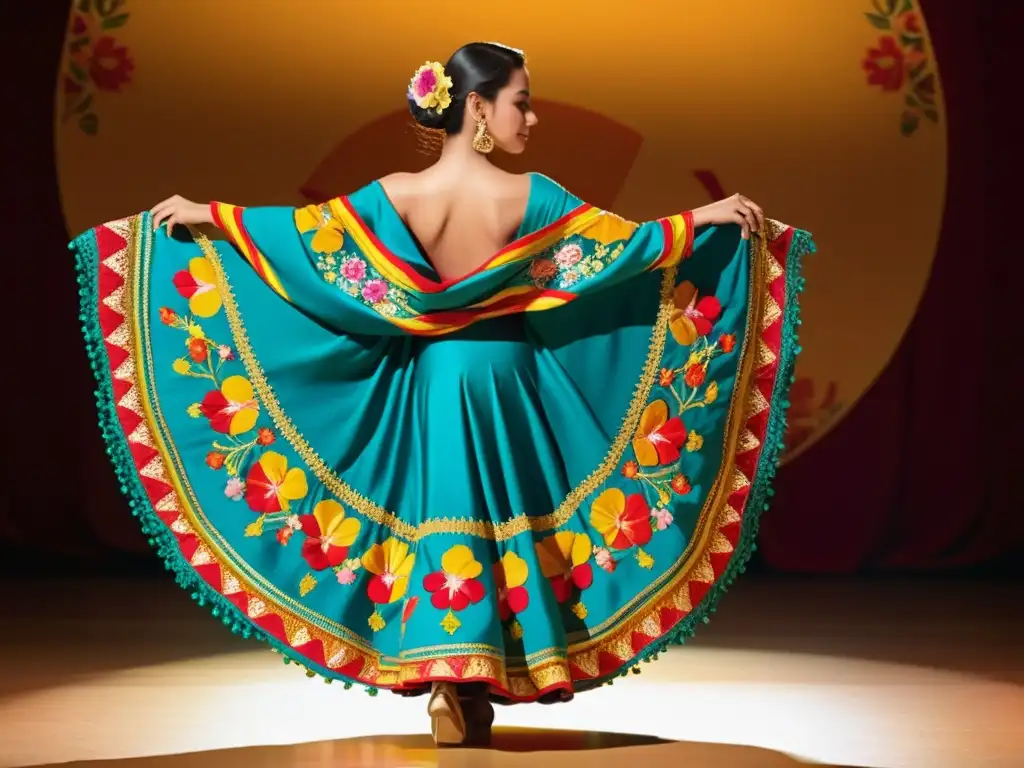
<point x="482" y="142"/>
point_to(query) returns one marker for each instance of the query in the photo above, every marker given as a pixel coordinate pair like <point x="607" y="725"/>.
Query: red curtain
<point x="916" y="477"/>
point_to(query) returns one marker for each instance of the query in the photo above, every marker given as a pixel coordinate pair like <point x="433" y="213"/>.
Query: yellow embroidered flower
<point x="181" y="365"/>
<point x="694" y="442"/>
<point x="580" y="610"/>
<point x="329" y="232"/>
<point x="711" y="394"/>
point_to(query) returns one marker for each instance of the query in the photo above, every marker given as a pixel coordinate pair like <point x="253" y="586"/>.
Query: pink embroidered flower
<point x="235" y="489"/>
<point x="225" y="352"/>
<point x="662" y="518"/>
<point x="568" y="255"/>
<point x="604" y="559"/>
<point x="375" y="290"/>
<point x="543" y="270"/>
<point x="346" y="576"/>
<point x="353" y="270"/>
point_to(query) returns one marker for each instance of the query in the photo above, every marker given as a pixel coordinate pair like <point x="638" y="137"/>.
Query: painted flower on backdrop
<point x="899" y="62"/>
<point x="96" y="63"/>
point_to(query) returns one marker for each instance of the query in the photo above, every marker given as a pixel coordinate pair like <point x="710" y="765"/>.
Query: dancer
<point x="457" y="432"/>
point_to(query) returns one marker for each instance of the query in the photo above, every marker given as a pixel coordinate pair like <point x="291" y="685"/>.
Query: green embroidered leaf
<point x="909" y="123"/>
<point x="931" y="114"/>
<point x="908" y="5"/>
<point x="90" y="124"/>
<point x="115" y="21"/>
<point x="83" y="105"/>
<point x="77" y="72"/>
<point x="885" y="7"/>
<point x="879" y="22"/>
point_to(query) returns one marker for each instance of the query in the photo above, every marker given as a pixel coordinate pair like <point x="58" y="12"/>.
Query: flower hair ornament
<point x="430" y="87"/>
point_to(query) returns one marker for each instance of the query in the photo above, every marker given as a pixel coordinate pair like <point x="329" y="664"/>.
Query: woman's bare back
<point x="459" y="221"/>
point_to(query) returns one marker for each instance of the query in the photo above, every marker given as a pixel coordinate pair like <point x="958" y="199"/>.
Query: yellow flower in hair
<point x="430" y="87"/>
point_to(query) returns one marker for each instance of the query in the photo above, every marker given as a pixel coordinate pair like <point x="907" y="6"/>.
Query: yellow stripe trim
<point x="226" y="214"/>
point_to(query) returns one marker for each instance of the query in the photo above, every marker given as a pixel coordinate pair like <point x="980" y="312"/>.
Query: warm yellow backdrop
<point x="254" y="101"/>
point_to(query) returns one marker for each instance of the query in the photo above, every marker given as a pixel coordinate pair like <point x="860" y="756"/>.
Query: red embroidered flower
<point x="110" y="67"/>
<point x="695" y="375"/>
<point x="681" y="485"/>
<point x="264" y="436"/>
<point x="510" y="575"/>
<point x="630" y="469"/>
<point x="565" y="562"/>
<point x="884" y="65"/>
<point x="457" y="584"/>
<point x="215" y="460"/>
<point x="658" y="439"/>
<point x="197" y="350"/>
<point x="623" y="521"/>
<point x="666" y="377"/>
<point x="329" y="534"/>
<point x="727" y="342"/>
<point x="167" y="315"/>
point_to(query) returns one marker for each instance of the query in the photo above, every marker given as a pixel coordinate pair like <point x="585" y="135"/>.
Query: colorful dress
<point x="535" y="476"/>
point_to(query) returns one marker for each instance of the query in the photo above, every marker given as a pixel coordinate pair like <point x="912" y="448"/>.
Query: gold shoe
<point x="447" y="723"/>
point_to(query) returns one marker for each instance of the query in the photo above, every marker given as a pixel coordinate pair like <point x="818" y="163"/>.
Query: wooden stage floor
<point x="880" y="673"/>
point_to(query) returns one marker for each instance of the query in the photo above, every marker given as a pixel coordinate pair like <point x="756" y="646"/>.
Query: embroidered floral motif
<point x="456" y="586"/>
<point x="566" y="263"/>
<point x="391" y="564"/>
<point x="565" y="562"/>
<point x="349" y="272"/>
<point x="624" y="523"/>
<point x="510" y="575"/>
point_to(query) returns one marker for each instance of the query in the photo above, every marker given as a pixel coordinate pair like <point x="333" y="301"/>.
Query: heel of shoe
<point x="447" y="723"/>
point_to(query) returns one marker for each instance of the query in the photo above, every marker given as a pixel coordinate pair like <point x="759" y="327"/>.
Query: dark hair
<point x="481" y="68"/>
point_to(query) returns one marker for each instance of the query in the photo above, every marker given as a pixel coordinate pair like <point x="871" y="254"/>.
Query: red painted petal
<point x="562" y="587"/>
<point x="674" y="433"/>
<point x="583" y="575"/>
<point x="314" y="555"/>
<point x="474" y="590"/>
<point x="710" y="307"/>
<point x="441" y="600"/>
<point x="460" y="599"/>
<point x="215" y="407"/>
<point x="378" y="591"/>
<point x="336" y="555"/>
<point x="257" y="494"/>
<point x="504" y="611"/>
<point x="432" y="582"/>
<point x="518" y="599"/>
<point x="185" y="283"/>
<point x="637" y="519"/>
<point x="310" y="526"/>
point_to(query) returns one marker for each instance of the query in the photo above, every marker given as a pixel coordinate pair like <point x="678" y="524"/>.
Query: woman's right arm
<point x="177" y="210"/>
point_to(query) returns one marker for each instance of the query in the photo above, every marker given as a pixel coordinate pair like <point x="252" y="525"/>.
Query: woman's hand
<point x="177" y="210"/>
<point x="733" y="210"/>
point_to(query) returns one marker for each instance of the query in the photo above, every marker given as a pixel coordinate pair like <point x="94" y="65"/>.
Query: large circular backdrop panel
<point x="829" y="114"/>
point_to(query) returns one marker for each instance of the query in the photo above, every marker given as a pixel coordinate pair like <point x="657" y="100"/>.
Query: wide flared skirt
<point x="536" y="503"/>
